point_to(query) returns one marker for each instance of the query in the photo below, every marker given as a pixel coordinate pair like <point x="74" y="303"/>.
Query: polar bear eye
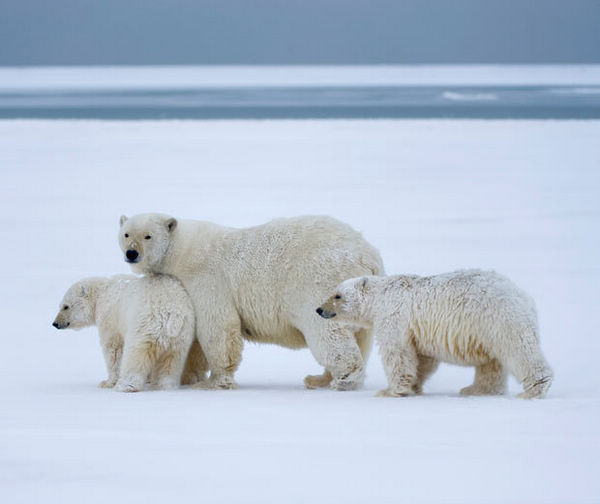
<point x="126" y="235"/>
<point x="147" y="237"/>
<point x="66" y="307"/>
<point x="337" y="296"/>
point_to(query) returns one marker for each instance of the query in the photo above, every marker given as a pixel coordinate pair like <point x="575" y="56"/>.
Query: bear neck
<point x="170" y="263"/>
<point x="104" y="288"/>
<point x="388" y="295"/>
<point x="368" y="308"/>
<point x="185" y="252"/>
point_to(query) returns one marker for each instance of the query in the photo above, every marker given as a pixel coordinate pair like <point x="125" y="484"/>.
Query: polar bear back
<point x="274" y="273"/>
<point x="286" y="257"/>
<point x="468" y="317"/>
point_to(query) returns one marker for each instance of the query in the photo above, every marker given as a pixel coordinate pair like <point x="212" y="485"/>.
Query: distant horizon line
<point x="207" y="76"/>
<point x="270" y="65"/>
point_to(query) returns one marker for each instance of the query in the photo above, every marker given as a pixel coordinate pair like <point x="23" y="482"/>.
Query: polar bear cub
<point x="471" y="318"/>
<point x="146" y="327"/>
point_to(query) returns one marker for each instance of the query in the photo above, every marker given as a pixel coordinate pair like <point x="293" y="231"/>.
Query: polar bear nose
<point x="54" y="324"/>
<point x="131" y="255"/>
<point x="325" y="314"/>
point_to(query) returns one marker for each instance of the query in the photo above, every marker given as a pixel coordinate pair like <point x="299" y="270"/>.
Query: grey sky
<point x="75" y="32"/>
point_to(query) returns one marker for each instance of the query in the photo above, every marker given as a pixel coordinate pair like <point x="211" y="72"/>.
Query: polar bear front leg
<point x="364" y="340"/>
<point x="136" y="365"/>
<point x="400" y="363"/>
<point x="112" y="349"/>
<point x="344" y="360"/>
<point x="334" y="346"/>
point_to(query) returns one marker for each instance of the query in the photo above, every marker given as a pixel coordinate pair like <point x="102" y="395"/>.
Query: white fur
<point x="472" y="318"/>
<point x="261" y="284"/>
<point x="146" y="326"/>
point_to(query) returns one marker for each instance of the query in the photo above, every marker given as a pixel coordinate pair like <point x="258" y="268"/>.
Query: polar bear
<point x="260" y="284"/>
<point x="471" y="318"/>
<point x="146" y="327"/>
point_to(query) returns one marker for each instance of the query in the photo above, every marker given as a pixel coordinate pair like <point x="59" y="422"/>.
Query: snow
<point x="450" y="95"/>
<point x="521" y="197"/>
<point x="577" y="91"/>
<point x="183" y="77"/>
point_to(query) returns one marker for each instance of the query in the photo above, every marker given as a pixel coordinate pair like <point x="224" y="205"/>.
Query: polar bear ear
<point x="84" y="290"/>
<point x="122" y="220"/>
<point x="171" y="223"/>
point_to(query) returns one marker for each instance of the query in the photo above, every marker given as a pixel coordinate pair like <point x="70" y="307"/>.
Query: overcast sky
<point x="142" y="32"/>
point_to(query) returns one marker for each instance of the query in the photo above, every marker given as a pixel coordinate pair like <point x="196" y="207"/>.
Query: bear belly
<point x="285" y="336"/>
<point x="448" y="346"/>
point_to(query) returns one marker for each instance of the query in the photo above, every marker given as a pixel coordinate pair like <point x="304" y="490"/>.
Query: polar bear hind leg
<point x="534" y="373"/>
<point x="169" y="369"/>
<point x="195" y="366"/>
<point x="490" y="379"/>
<point x="524" y="359"/>
<point x="425" y="368"/>
<point x="137" y="363"/>
<point x="223" y="350"/>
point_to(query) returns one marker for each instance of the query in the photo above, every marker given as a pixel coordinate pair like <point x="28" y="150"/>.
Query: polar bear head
<point x="348" y="302"/>
<point x="144" y="240"/>
<point x="76" y="310"/>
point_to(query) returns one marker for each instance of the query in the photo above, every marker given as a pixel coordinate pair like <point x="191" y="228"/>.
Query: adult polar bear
<point x="261" y="284"/>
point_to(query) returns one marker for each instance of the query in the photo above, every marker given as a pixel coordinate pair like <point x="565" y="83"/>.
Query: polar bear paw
<point x="218" y="382"/>
<point x="191" y="378"/>
<point x="349" y="381"/>
<point x="167" y="383"/>
<point x="417" y="388"/>
<point x="318" y="381"/>
<point x="345" y="383"/>
<point x="474" y="390"/>
<point x="537" y="389"/>
<point x="125" y="386"/>
<point x="388" y="392"/>
<point x="106" y="384"/>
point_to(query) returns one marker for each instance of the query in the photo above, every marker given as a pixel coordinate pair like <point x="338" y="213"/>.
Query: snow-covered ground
<point x="522" y="197"/>
<point x="184" y="77"/>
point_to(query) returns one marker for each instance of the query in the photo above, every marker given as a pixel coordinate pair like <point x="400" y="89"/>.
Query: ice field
<point x="521" y="197"/>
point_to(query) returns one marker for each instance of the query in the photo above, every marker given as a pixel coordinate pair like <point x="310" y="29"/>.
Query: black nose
<point x="325" y="314"/>
<point x="54" y="324"/>
<point x="131" y="255"/>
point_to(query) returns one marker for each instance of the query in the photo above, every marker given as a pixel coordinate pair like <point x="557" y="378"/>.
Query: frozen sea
<point x="518" y="196"/>
<point x="543" y="92"/>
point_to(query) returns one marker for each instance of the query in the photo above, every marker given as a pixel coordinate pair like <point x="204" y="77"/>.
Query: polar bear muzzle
<point x="325" y="314"/>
